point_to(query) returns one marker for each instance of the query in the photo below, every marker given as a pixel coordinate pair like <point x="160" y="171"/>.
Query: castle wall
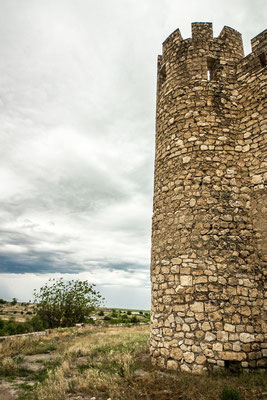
<point x="208" y="227"/>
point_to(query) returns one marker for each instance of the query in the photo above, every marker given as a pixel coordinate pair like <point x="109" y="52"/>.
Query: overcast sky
<point x="77" y="101"/>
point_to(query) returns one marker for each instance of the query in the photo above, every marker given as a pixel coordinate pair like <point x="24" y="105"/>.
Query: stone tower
<point x="208" y="249"/>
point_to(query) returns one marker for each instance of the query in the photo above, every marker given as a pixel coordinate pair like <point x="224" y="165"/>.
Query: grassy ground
<point x="106" y="363"/>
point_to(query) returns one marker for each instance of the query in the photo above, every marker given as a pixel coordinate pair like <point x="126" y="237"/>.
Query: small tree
<point x="14" y="301"/>
<point x="65" y="304"/>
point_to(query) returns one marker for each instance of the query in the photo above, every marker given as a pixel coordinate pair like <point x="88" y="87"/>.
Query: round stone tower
<point x="207" y="262"/>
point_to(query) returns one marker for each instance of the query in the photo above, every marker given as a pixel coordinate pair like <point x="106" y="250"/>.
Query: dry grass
<point x="102" y="360"/>
<point x="19" y="312"/>
<point x="114" y="363"/>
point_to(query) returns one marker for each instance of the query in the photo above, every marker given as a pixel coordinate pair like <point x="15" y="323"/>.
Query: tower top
<point x="202" y="33"/>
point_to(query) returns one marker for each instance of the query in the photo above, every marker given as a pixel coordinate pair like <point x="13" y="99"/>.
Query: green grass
<point x="102" y="363"/>
<point x="40" y="348"/>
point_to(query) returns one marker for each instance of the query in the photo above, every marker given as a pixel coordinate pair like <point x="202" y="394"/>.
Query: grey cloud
<point x="38" y="262"/>
<point x="77" y="110"/>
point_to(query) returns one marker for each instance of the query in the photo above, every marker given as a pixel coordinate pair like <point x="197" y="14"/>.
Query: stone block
<point x="189" y="357"/>
<point x="186" y="280"/>
<point x="246" y="337"/>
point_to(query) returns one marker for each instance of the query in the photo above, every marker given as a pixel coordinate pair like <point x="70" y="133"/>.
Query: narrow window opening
<point x="262" y="59"/>
<point x="210" y="68"/>
<point x="162" y="74"/>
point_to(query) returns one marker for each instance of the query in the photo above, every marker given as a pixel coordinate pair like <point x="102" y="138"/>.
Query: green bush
<point x="90" y="321"/>
<point x="134" y="320"/>
<point x="14" y="301"/>
<point x="61" y="304"/>
<point x="36" y="324"/>
<point x="229" y="393"/>
<point x="12" y="327"/>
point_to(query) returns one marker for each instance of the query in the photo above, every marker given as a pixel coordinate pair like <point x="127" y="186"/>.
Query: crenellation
<point x="209" y="222"/>
<point x="201" y="31"/>
<point x="258" y="43"/>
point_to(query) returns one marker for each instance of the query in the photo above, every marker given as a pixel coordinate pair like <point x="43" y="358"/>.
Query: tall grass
<point x="109" y="360"/>
<point x="114" y="363"/>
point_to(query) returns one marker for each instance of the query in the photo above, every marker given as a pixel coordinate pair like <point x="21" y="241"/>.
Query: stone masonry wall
<point x="208" y="247"/>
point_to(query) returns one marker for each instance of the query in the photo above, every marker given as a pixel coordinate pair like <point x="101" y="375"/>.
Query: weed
<point x="229" y="393"/>
<point x="8" y="367"/>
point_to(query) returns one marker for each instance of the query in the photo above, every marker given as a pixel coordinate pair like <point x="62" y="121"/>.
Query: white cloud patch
<point x="77" y="100"/>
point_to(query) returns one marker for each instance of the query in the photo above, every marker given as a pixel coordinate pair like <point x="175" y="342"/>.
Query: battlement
<point x="203" y="32"/>
<point x="202" y="55"/>
<point x="174" y="38"/>
<point x="257" y="59"/>
<point x="259" y="42"/>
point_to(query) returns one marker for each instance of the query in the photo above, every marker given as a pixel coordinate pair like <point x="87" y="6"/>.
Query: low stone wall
<point x="22" y="335"/>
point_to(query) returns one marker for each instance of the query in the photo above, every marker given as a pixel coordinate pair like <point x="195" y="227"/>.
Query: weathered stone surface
<point x="172" y="365"/>
<point x="209" y="221"/>
<point x="186" y="280"/>
<point x="217" y="346"/>
<point x="246" y="337"/>
<point x="222" y="336"/>
<point x="197" y="307"/>
<point x="200" y="359"/>
<point x="176" y="353"/>
<point x="210" y="337"/>
<point x="189" y="357"/>
<point x="232" y="356"/>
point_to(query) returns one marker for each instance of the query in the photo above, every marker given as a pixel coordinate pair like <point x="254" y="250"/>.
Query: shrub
<point x="14" y="328"/>
<point x="36" y="324"/>
<point x="66" y="304"/>
<point x="229" y="393"/>
<point x="101" y="313"/>
<point x="14" y="301"/>
<point x="133" y="320"/>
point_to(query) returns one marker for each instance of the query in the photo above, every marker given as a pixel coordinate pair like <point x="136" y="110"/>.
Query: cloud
<point x="77" y="100"/>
